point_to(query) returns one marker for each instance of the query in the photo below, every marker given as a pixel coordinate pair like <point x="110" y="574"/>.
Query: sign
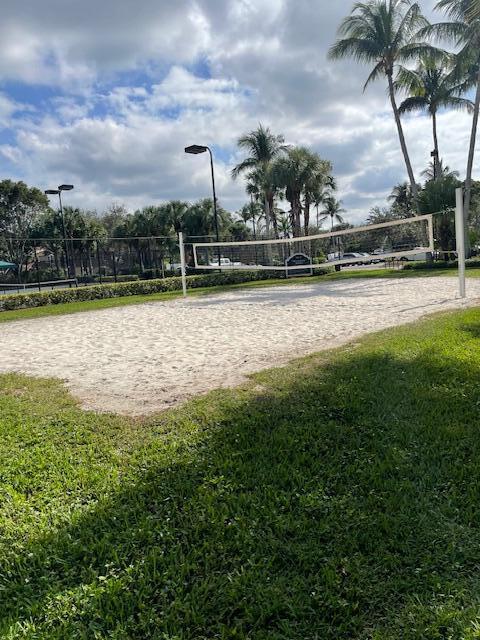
<point x="297" y="260"/>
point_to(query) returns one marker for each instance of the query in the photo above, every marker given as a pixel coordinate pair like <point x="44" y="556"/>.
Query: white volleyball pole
<point x="182" y="263"/>
<point x="460" y="235"/>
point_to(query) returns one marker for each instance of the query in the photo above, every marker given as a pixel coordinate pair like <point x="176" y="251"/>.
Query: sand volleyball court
<point x="143" y="358"/>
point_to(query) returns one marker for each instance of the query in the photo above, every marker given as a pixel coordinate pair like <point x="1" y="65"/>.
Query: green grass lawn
<point x="336" y="498"/>
<point x="92" y="305"/>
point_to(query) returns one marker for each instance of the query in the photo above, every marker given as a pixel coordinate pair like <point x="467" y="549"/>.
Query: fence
<point x="49" y="262"/>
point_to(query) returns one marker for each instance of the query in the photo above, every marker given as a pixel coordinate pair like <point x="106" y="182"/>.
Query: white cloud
<point x="136" y="92"/>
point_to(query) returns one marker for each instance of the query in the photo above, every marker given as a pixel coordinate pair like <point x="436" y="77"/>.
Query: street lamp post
<point x="58" y="191"/>
<point x="195" y="149"/>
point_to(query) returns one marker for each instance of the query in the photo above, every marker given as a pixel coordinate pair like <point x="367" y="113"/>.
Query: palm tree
<point x="380" y="32"/>
<point x="438" y="172"/>
<point x="401" y="198"/>
<point x="298" y="173"/>
<point x="284" y="225"/>
<point x="431" y="87"/>
<point x="322" y="193"/>
<point x="260" y="186"/>
<point x="251" y="212"/>
<point x="318" y="183"/>
<point x="263" y="148"/>
<point x="175" y="213"/>
<point x="333" y="210"/>
<point x="464" y="32"/>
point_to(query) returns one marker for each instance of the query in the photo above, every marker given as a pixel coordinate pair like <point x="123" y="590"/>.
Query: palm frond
<point x="414" y="103"/>
<point x="458" y="104"/>
<point x="374" y="74"/>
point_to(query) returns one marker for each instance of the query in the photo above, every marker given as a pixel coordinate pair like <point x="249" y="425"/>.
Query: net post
<point x="431" y="239"/>
<point x="182" y="263"/>
<point x="460" y="236"/>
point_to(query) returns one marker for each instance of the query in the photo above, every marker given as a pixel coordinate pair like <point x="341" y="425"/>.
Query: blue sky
<point x="107" y="95"/>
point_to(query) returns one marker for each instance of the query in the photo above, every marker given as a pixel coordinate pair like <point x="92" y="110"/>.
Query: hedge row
<point x="471" y="263"/>
<point x="142" y="287"/>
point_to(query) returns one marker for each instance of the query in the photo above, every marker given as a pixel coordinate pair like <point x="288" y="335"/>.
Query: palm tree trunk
<point x="273" y="215"/>
<point x="267" y="216"/>
<point x="297" y="208"/>
<point x="403" y="144"/>
<point x="306" y="213"/>
<point x="471" y="155"/>
<point x="436" y="159"/>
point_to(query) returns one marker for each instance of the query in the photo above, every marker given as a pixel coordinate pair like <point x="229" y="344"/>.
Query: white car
<point x="225" y="262"/>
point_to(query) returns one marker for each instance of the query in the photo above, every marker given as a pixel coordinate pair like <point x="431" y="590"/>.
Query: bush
<point x="470" y="263"/>
<point x="421" y="265"/>
<point x="131" y="288"/>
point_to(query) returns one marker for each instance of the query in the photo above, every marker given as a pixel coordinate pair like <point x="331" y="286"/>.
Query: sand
<point x="144" y="358"/>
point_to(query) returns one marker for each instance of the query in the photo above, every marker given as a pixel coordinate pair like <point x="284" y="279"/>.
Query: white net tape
<point x="405" y="239"/>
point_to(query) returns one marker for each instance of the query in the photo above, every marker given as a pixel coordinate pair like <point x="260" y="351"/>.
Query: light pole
<point x="195" y="149"/>
<point x="58" y="191"/>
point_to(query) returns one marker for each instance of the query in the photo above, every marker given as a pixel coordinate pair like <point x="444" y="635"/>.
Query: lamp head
<point x="65" y="187"/>
<point x="51" y="192"/>
<point x="195" y="149"/>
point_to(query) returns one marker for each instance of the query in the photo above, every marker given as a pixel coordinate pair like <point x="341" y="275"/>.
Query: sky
<point x="106" y="95"/>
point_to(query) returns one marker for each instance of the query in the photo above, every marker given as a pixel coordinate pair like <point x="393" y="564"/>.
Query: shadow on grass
<point x="340" y="500"/>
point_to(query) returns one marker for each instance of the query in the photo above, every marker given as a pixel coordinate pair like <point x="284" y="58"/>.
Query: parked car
<point x="356" y="258"/>
<point x="423" y="256"/>
<point x="225" y="262"/>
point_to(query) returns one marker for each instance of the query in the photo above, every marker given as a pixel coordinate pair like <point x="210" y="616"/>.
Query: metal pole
<point x="114" y="263"/>
<point x="252" y="211"/>
<point x="67" y="253"/>
<point x="182" y="263"/>
<point x="215" y="212"/>
<point x="98" y="263"/>
<point x="36" y="265"/>
<point x="460" y="235"/>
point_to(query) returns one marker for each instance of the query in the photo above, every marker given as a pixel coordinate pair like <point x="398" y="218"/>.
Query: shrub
<point x="470" y="263"/>
<point x="131" y="288"/>
<point x="422" y="265"/>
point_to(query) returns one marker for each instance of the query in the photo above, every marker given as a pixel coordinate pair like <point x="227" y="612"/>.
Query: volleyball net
<point x="406" y="239"/>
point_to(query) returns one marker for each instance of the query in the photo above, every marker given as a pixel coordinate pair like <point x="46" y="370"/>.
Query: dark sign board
<point x="298" y="260"/>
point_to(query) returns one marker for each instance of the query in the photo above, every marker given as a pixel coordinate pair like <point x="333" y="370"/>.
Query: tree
<point x="284" y="225"/>
<point x="439" y="196"/>
<point x="320" y="196"/>
<point x="319" y="184"/>
<point x="333" y="210"/>
<point x="251" y="212"/>
<point x="402" y="201"/>
<point x="199" y="219"/>
<point x="441" y="171"/>
<point x="263" y="148"/>
<point x="260" y="185"/>
<point x="464" y="32"/>
<point x="430" y="87"/>
<point x="83" y="230"/>
<point x="298" y="174"/>
<point x="20" y="209"/>
<point x="113" y="217"/>
<point x="380" y="32"/>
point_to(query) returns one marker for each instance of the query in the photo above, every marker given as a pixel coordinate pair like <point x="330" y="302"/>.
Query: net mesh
<point x="406" y="239"/>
